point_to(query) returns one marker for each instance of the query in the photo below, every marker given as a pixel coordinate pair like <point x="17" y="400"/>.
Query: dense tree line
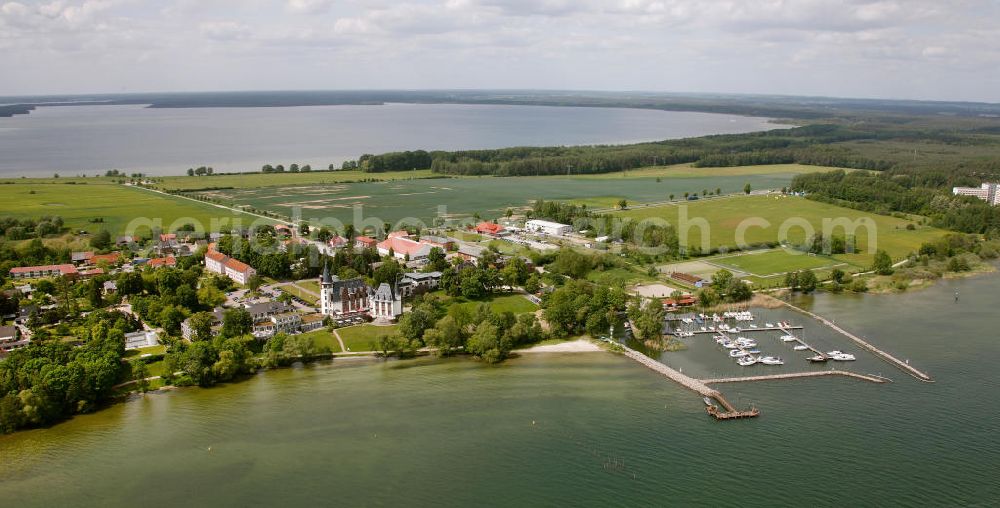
<point x="49" y="381"/>
<point x="808" y="145"/>
<point x="14" y="228"/>
<point x="908" y="193"/>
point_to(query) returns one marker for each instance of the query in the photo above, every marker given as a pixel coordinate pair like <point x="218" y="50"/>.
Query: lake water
<point x="571" y="430"/>
<point x="75" y="139"/>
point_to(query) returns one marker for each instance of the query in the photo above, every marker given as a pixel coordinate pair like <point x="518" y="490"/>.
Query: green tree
<point x="807" y="281"/>
<point x="236" y="322"/>
<point x="201" y="325"/>
<point x="101" y="240"/>
<point x="883" y="263"/>
<point x="622" y="204"/>
<point x="488" y="343"/>
<point x="649" y="325"/>
<point x="746" y="188"/>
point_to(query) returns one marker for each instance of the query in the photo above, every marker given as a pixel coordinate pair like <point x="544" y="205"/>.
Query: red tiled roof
<point x="215" y="256"/>
<point x="167" y="236"/>
<point x="694" y="279"/>
<point x="92" y="272"/>
<point x="399" y="234"/>
<point x="167" y="261"/>
<point x="64" y="269"/>
<point x="111" y="258"/>
<point x="488" y="228"/>
<point x="237" y="265"/>
<point x="365" y="240"/>
<point x="401" y="245"/>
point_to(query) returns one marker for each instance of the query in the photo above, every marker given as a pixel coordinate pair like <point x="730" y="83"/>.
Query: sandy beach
<point x="574" y="346"/>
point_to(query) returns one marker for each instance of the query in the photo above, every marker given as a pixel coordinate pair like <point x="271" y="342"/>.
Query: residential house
<point x="489" y="228"/>
<point x="419" y="282"/>
<point x="161" y="262"/>
<point x="364" y="242"/>
<point x="81" y="258"/>
<point x="11" y="339"/>
<point x="286" y="322"/>
<point x="34" y="272"/>
<point x="141" y="339"/>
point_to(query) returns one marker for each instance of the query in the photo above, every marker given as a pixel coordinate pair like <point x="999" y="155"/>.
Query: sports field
<point x="81" y="204"/>
<point x="774" y="262"/>
<point x="794" y="219"/>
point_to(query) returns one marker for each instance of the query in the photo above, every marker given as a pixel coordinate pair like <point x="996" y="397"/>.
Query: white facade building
<point x="988" y="192"/>
<point x="547" y="227"/>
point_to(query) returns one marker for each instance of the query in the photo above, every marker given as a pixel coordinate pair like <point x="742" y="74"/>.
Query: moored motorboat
<point x="843" y="357"/>
<point x="818" y="359"/>
<point x="789" y="338"/>
<point x="771" y="360"/>
<point x="737" y="353"/>
<point x="746" y="361"/>
<point x="801" y="347"/>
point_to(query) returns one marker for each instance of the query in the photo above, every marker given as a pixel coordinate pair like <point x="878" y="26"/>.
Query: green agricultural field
<point x="689" y="171"/>
<point x="432" y="199"/>
<point x="724" y="217"/>
<point x="363" y="337"/>
<point x="251" y="180"/>
<point x="117" y="205"/>
<point x="774" y="262"/>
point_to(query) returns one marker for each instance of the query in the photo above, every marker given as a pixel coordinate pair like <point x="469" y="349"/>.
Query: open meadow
<point x="774" y="216"/>
<point x="83" y="205"/>
<point x="251" y="180"/>
<point x="428" y="199"/>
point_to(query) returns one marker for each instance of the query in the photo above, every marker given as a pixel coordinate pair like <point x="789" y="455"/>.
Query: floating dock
<point x="795" y="375"/>
<point x="694" y="385"/>
<point x="904" y="366"/>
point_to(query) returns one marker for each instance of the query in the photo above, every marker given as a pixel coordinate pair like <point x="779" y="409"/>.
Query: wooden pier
<point x="904" y="366"/>
<point x="746" y="330"/>
<point x="795" y="375"/>
<point x="695" y="385"/>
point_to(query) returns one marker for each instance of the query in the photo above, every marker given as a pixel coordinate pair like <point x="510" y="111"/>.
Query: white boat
<point x="736" y="353"/>
<point x="730" y="345"/>
<point x="770" y="360"/>
<point x="746" y="361"/>
<point x="769" y="325"/>
<point x="789" y="338"/>
<point x="704" y="329"/>
<point x="801" y="347"/>
<point x="843" y="357"/>
<point x="752" y="351"/>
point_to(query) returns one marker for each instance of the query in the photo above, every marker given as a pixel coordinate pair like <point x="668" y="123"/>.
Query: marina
<point x="903" y="365"/>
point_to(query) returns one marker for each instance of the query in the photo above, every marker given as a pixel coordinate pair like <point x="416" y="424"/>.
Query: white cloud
<point x="773" y="46"/>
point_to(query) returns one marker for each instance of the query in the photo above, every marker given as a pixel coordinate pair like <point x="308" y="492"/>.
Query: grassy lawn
<point x="295" y="291"/>
<point x="362" y="337"/>
<point x="117" y="205"/>
<point x="250" y="180"/>
<point x="158" y="349"/>
<point x="515" y="303"/>
<point x="467" y="236"/>
<point x="724" y="216"/>
<point x="309" y="284"/>
<point x="773" y="262"/>
<point x="323" y="338"/>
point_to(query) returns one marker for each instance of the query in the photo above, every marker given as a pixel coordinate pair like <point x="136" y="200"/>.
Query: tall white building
<point x="988" y="192"/>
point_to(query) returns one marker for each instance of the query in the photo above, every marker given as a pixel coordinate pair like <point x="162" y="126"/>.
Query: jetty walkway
<point x="904" y="366"/>
<point x="794" y="375"/>
<point x="695" y="385"/>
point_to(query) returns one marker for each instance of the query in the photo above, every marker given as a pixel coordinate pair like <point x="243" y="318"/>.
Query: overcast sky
<point x="915" y="49"/>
